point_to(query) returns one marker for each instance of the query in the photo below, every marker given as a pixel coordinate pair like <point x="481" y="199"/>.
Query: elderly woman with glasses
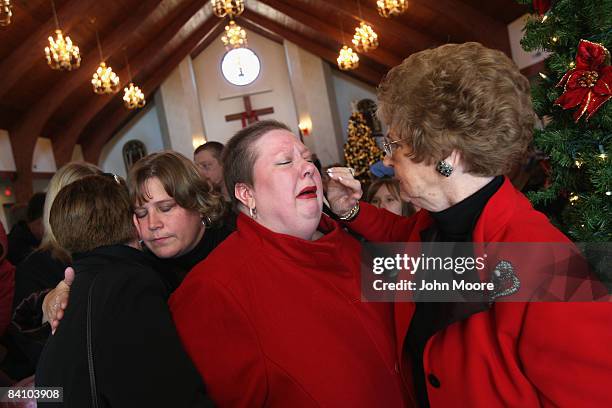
<point x="459" y="117"/>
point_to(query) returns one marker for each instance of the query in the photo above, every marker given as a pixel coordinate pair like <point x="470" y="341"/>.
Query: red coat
<point x="513" y="354"/>
<point x="7" y="283"/>
<point x="273" y="320"/>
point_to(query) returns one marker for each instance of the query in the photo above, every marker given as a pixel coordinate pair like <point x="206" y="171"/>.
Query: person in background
<point x="459" y="117"/>
<point x="385" y="193"/>
<point x="7" y="283"/>
<point x="208" y="159"/>
<point x="25" y="236"/>
<point x="272" y="317"/>
<point x="117" y="344"/>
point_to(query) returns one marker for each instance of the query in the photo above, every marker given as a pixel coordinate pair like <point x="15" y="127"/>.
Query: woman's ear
<point x="454" y="159"/>
<point x="244" y="194"/>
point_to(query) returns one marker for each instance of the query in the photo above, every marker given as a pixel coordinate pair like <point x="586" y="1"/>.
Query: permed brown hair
<point x="459" y="96"/>
<point x="92" y="212"/>
<point x="239" y="155"/>
<point x="181" y="180"/>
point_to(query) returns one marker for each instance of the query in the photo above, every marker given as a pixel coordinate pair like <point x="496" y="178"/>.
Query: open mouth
<point x="308" y="192"/>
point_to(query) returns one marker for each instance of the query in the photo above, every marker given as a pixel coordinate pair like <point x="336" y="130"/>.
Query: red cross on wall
<point x="249" y="115"/>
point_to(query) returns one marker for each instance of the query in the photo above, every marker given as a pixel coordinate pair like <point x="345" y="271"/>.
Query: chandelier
<point x="348" y="59"/>
<point x="231" y="8"/>
<point x="389" y="8"/>
<point x="133" y="97"/>
<point x="61" y="53"/>
<point x="365" y="39"/>
<point x="104" y="80"/>
<point x="6" y="12"/>
<point x="235" y="36"/>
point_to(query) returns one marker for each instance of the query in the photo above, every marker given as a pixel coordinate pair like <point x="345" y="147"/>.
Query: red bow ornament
<point x="541" y="6"/>
<point x="589" y="84"/>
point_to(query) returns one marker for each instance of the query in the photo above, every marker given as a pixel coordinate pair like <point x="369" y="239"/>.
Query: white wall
<point x="349" y="90"/>
<point x="7" y="163"/>
<point x="144" y="127"/>
<point x="181" y="107"/>
<point x="521" y="58"/>
<point x="314" y="103"/>
<point x="271" y="88"/>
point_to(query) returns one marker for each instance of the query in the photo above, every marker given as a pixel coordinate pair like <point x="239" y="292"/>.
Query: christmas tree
<point x="360" y="150"/>
<point x="573" y="91"/>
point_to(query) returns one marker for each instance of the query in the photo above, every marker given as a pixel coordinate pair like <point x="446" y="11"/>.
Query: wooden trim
<point x="534" y="69"/>
<point x="12" y="175"/>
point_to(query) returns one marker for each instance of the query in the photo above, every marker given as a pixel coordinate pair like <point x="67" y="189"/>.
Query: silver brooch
<point x="505" y="282"/>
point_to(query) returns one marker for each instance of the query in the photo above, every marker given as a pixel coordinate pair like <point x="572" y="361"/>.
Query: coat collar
<point x="320" y="253"/>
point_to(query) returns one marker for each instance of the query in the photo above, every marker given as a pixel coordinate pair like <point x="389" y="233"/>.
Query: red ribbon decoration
<point x="541" y="6"/>
<point x="589" y="84"/>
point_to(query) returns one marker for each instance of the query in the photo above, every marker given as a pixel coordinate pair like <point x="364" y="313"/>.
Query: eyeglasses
<point x="390" y="147"/>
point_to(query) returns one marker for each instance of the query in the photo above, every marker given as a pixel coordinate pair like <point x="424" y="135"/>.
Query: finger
<point x="69" y="276"/>
<point x="341" y="171"/>
<point x="350" y="182"/>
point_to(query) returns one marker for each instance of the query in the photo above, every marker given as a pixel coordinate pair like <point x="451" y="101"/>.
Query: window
<point x="133" y="151"/>
<point x="240" y="66"/>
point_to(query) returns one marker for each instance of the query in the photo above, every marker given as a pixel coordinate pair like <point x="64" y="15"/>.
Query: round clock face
<point x="240" y="66"/>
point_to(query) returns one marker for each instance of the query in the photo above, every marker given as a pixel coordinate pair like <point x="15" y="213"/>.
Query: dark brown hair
<point x="181" y="180"/>
<point x="92" y="212"/>
<point x="239" y="156"/>
<point x="215" y="148"/>
<point x="459" y="96"/>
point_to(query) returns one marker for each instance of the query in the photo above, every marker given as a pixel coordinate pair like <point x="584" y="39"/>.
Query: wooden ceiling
<point x="156" y="35"/>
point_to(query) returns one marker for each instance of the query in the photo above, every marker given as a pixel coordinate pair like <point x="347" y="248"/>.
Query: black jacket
<point x="138" y="357"/>
<point x="21" y="243"/>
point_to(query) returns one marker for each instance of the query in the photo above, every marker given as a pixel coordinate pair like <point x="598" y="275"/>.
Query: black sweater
<point x="138" y="357"/>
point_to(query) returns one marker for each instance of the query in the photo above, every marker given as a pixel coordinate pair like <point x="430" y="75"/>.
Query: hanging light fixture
<point x="231" y="8"/>
<point x="348" y="59"/>
<point x="61" y="53"/>
<point x="6" y="12"/>
<point x="365" y="39"/>
<point x="133" y="97"/>
<point x="235" y="36"/>
<point x="389" y="8"/>
<point x="104" y="80"/>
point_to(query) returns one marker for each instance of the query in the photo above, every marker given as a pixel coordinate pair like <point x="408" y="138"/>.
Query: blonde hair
<point x="65" y="175"/>
<point x="459" y="96"/>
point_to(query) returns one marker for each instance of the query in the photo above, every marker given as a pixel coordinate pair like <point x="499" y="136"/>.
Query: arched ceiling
<point x="157" y="34"/>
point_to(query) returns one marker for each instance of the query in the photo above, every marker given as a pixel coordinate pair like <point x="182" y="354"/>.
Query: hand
<point x="343" y="190"/>
<point x="56" y="301"/>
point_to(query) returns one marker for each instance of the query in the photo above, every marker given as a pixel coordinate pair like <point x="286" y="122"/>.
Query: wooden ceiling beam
<point x="364" y="73"/>
<point x="31" y="51"/>
<point x="465" y="23"/>
<point x="63" y="143"/>
<point x="111" y="122"/>
<point x="24" y="134"/>
<point x="208" y="39"/>
<point x="414" y="40"/>
<point x="379" y="55"/>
